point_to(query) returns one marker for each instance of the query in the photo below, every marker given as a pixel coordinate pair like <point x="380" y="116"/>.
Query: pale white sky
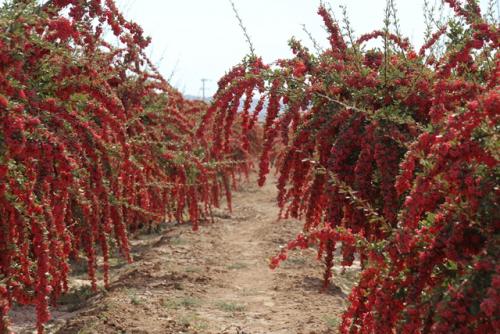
<point x="195" y="39"/>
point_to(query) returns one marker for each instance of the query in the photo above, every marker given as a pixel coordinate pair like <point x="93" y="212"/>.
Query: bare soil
<point x="216" y="280"/>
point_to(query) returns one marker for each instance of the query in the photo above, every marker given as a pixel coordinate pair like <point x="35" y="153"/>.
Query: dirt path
<point x="216" y="280"/>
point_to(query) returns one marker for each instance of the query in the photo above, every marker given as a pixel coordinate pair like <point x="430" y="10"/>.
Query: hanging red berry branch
<point x="391" y="154"/>
<point x="94" y="143"/>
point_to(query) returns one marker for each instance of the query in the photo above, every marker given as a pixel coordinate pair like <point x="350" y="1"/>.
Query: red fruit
<point x="22" y="94"/>
<point x="299" y="69"/>
<point x="3" y="101"/>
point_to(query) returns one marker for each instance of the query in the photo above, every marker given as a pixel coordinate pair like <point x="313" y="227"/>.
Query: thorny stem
<point x="316" y="45"/>
<point x="386" y="40"/>
<point x="243" y="28"/>
<point x="348" y="29"/>
<point x="395" y="22"/>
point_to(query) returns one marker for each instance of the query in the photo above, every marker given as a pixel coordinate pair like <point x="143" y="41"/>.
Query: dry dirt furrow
<point x="216" y="280"/>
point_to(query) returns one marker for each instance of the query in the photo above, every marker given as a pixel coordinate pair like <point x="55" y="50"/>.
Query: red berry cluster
<point x="94" y="143"/>
<point x="391" y="154"/>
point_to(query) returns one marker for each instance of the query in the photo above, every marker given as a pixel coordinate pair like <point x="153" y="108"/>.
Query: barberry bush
<point x="94" y="143"/>
<point x="390" y="157"/>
